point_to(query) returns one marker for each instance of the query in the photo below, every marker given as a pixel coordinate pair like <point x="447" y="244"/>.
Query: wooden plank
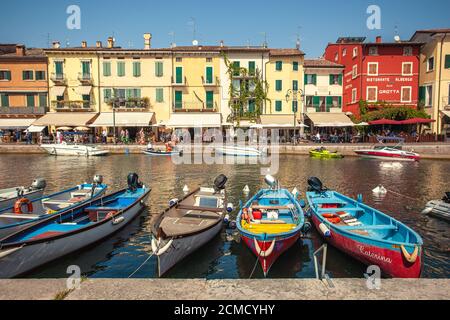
<point x="373" y="227"/>
<point x="195" y="208"/>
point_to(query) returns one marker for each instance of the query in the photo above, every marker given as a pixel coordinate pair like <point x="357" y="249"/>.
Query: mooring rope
<point x="254" y="267"/>
<point x="402" y="195"/>
<point x="139" y="268"/>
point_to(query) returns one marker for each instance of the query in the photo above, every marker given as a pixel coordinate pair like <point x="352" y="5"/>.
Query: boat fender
<point x="325" y="231"/>
<point x="173" y="202"/>
<point x="266" y="253"/>
<point x="230" y="207"/>
<point x="154" y="246"/>
<point x="21" y="202"/>
<point x="411" y="258"/>
<point x="165" y="248"/>
<point x="246" y="189"/>
<point x="302" y="204"/>
<point x="186" y="189"/>
<point x="232" y="224"/>
<point x="306" y="227"/>
<point x="226" y="219"/>
<point x="118" y="220"/>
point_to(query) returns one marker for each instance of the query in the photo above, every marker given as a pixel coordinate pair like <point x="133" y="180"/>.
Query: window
<point x="136" y="69"/>
<point x="30" y="100"/>
<point x="42" y="99"/>
<point x="251" y="68"/>
<point x="447" y="61"/>
<point x="372" y="94"/>
<point x="106" y="69"/>
<point x="236" y="68"/>
<point x="344" y="52"/>
<point x="4" y="100"/>
<point x="407" y="51"/>
<point x="236" y="85"/>
<point x="430" y="64"/>
<point x="406" y="94"/>
<point x="278" y="106"/>
<point x="295" y="65"/>
<point x="39" y="75"/>
<point x="279" y="65"/>
<point x="5" y="75"/>
<point x="407" y="69"/>
<point x="59" y="69"/>
<point x="179" y="75"/>
<point x="278" y="85"/>
<point x="354" y="95"/>
<point x="335" y="79"/>
<point x="372" y="69"/>
<point x="251" y="105"/>
<point x="27" y="75"/>
<point x="178" y="59"/>
<point x="159" y="69"/>
<point x="209" y="99"/>
<point x="209" y="75"/>
<point x="311" y="79"/>
<point x="178" y="99"/>
<point x="336" y="57"/>
<point x="373" y="51"/>
<point x="121" y="68"/>
<point x="159" y="95"/>
<point x="355" y="71"/>
<point x="355" y="52"/>
<point x="294" y="106"/>
<point x="86" y="69"/>
<point x="294" y="85"/>
<point x="107" y="95"/>
<point x="429" y="96"/>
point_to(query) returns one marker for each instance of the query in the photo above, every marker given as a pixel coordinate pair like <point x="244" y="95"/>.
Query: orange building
<point x="23" y="86"/>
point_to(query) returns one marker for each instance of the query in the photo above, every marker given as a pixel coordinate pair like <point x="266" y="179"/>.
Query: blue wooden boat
<point x="71" y="230"/>
<point x="365" y="233"/>
<point x="26" y="211"/>
<point x="270" y="223"/>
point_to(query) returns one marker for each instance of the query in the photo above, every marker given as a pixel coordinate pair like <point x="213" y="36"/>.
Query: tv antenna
<point x="265" y="45"/>
<point x="193" y="23"/>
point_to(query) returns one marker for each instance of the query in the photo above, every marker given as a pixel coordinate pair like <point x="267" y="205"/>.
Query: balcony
<point x="214" y="83"/>
<point x="177" y="83"/>
<point x="66" y="105"/>
<point x="85" y="78"/>
<point x="23" y="110"/>
<point x="446" y="103"/>
<point x="244" y="74"/>
<point x="130" y="104"/>
<point x="194" y="107"/>
<point x="58" y="78"/>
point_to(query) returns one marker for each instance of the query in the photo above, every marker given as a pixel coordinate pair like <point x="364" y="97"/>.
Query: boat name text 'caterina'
<point x="374" y="255"/>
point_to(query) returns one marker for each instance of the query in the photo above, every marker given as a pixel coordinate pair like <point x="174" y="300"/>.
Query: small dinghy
<point x="365" y="233"/>
<point x="71" y="230"/>
<point x="439" y="208"/>
<point x="26" y="211"/>
<point x="188" y="224"/>
<point x="270" y="223"/>
<point x="9" y="196"/>
<point x="65" y="149"/>
<point x="323" y="153"/>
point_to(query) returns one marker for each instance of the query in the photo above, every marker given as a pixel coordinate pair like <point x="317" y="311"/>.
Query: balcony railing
<point x="73" y="105"/>
<point x="194" y="107"/>
<point x="323" y="108"/>
<point x="132" y="103"/>
<point x="85" y="77"/>
<point x="58" y="77"/>
<point x="215" y="82"/>
<point x="23" y="110"/>
<point x="177" y="83"/>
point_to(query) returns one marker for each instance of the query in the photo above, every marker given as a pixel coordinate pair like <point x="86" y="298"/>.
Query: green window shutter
<point x="210" y="99"/>
<point x="26" y="75"/>
<point x="159" y="95"/>
<point x="86" y="68"/>
<point x="314" y="79"/>
<point x="295" y="85"/>
<point x="159" y="69"/>
<point x="106" y="69"/>
<point x="58" y="67"/>
<point x="106" y="95"/>
<point x="4" y="100"/>
<point x="329" y="101"/>
<point x="422" y="94"/>
<point x="279" y="65"/>
<point x="42" y="100"/>
<point x="136" y="69"/>
<point x="30" y="100"/>
<point x="294" y="106"/>
<point x="340" y="79"/>
<point x="179" y="75"/>
<point x="129" y="93"/>
<point x="8" y="75"/>
<point x="331" y="79"/>
<point x="178" y="99"/>
<point x="305" y="79"/>
<point x="295" y="65"/>
<point x="236" y="68"/>
<point x="340" y="102"/>
<point x="278" y="85"/>
<point x="209" y="75"/>
<point x="121" y="69"/>
<point x="447" y="61"/>
<point x="316" y="103"/>
<point x="278" y="106"/>
<point x="251" y="68"/>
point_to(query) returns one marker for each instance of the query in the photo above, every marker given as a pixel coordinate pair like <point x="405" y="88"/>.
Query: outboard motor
<point x="315" y="185"/>
<point x="271" y="181"/>
<point x="133" y="182"/>
<point x="39" y="183"/>
<point x="98" y="179"/>
<point x="446" y="198"/>
<point x="220" y="182"/>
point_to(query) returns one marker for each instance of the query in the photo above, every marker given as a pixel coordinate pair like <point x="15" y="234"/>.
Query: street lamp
<point x="293" y="95"/>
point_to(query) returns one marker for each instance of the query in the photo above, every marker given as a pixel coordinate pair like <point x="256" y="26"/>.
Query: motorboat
<point x="65" y="149"/>
<point x="364" y="233"/>
<point x="10" y="195"/>
<point x="238" y="151"/>
<point x="71" y="230"/>
<point x="26" y="211"/>
<point x="439" y="208"/>
<point x="270" y="223"/>
<point x="151" y="151"/>
<point x="388" y="153"/>
<point x="323" y="153"/>
<point x="188" y="224"/>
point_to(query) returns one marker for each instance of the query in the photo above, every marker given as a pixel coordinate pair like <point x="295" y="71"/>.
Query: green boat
<point x="323" y="153"/>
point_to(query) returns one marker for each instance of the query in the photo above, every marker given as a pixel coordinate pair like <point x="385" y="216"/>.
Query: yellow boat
<point x="323" y="153"/>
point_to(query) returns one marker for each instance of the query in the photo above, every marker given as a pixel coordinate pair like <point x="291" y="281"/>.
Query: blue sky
<point x="236" y="22"/>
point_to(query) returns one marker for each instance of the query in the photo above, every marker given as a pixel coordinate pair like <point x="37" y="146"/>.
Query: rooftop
<point x="321" y="63"/>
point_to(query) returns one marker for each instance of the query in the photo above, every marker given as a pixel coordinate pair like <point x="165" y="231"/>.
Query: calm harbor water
<point x="225" y="257"/>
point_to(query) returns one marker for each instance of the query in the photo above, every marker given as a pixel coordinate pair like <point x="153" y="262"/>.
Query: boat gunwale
<point x="25" y="195"/>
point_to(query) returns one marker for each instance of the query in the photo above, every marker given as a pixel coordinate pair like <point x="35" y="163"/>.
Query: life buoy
<point x="21" y="202"/>
<point x="333" y="218"/>
<point x="110" y="215"/>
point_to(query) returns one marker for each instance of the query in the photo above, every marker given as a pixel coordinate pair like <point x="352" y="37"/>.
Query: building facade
<point x="378" y="73"/>
<point x="434" y="90"/>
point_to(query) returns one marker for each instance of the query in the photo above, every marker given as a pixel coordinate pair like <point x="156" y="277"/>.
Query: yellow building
<point x="434" y="91"/>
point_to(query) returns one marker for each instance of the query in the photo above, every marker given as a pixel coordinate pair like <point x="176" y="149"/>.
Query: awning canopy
<point x="328" y="119"/>
<point x="384" y="122"/>
<point x="124" y="119"/>
<point x="446" y="113"/>
<point x="57" y="91"/>
<point x="84" y="90"/>
<point x="418" y="121"/>
<point x="35" y="128"/>
<point x="195" y="120"/>
<point x="278" y="121"/>
<point x="15" y="123"/>
<point x="71" y="119"/>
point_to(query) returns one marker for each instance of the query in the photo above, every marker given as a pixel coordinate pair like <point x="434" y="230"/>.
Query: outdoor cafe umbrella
<point x="82" y="129"/>
<point x="64" y="128"/>
<point x="381" y="122"/>
<point x="417" y="121"/>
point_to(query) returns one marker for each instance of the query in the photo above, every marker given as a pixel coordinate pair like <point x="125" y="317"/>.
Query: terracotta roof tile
<point x="321" y="63"/>
<point x="286" y="52"/>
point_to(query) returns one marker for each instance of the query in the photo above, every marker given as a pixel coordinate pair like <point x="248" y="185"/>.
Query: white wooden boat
<point x="64" y="149"/>
<point x="10" y="195"/>
<point x="188" y="224"/>
<point x="70" y="231"/>
<point x="439" y="208"/>
<point x="237" y="151"/>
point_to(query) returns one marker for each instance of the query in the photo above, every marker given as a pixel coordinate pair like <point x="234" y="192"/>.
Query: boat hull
<point x="391" y="261"/>
<point x="161" y="153"/>
<point x="74" y="150"/>
<point x="238" y="152"/>
<point x="183" y="247"/>
<point x="330" y="155"/>
<point x="386" y="156"/>
<point x="439" y="209"/>
<point x="33" y="195"/>
<point x="19" y="260"/>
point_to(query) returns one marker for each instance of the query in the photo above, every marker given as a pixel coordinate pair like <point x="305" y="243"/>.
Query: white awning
<point x="84" y="90"/>
<point x="195" y="120"/>
<point x="57" y="91"/>
<point x="328" y="119"/>
<point x="71" y="119"/>
<point x="278" y="121"/>
<point x="124" y="119"/>
<point x="35" y="128"/>
<point x="11" y="123"/>
<point x="446" y="113"/>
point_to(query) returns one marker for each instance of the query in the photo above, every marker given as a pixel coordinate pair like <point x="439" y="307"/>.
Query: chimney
<point x="20" y="50"/>
<point x="147" y="41"/>
<point x="98" y="44"/>
<point x="378" y="39"/>
<point x="83" y="44"/>
<point x="222" y="44"/>
<point x="56" y="45"/>
<point x="110" y="42"/>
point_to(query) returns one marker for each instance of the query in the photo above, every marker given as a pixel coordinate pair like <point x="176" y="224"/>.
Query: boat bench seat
<point x="272" y="207"/>
<point x="198" y="208"/>
<point x="370" y="227"/>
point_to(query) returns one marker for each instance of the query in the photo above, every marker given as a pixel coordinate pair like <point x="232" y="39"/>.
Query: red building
<point x="377" y="72"/>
